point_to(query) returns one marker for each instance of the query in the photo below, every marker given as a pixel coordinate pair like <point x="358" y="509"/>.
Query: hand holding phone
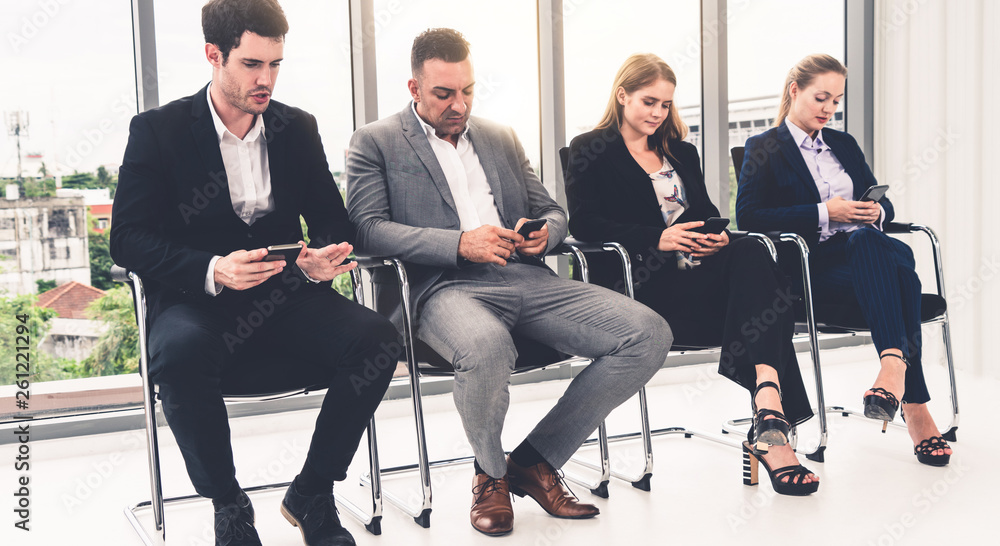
<point x="714" y="226"/>
<point x="874" y="193"/>
<point x="531" y="226"/>
<point x="289" y="253"/>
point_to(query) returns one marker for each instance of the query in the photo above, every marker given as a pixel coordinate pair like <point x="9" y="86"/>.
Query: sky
<point x="69" y="63"/>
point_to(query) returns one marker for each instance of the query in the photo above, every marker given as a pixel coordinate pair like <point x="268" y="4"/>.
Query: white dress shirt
<point x="247" y="173"/>
<point x="466" y="178"/>
<point x="830" y="178"/>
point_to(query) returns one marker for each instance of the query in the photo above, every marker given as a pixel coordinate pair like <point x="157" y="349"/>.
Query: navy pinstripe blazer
<point x="777" y="191"/>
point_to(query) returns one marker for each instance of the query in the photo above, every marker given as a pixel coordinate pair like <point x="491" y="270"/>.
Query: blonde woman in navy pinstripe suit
<point x="800" y="176"/>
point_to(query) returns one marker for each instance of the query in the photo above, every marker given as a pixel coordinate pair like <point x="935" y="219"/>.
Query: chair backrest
<point x="737" y="153"/>
<point x="564" y="159"/>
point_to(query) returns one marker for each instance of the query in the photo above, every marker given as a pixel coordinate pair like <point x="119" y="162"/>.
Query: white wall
<point x="937" y="75"/>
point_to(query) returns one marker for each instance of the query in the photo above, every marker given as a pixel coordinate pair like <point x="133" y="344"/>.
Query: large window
<point x="599" y="36"/>
<point x="70" y="93"/>
<point x="503" y="38"/>
<point x="766" y="39"/>
<point x="67" y="97"/>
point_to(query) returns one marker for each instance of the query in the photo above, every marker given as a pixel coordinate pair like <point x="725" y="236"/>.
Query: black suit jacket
<point x="611" y="198"/>
<point x="172" y="211"/>
<point x="777" y="192"/>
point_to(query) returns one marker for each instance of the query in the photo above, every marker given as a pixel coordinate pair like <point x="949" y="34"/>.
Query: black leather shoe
<point x="316" y="517"/>
<point x="234" y="524"/>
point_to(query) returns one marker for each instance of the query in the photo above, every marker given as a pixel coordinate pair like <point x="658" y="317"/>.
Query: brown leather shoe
<point x="491" y="511"/>
<point x="542" y="483"/>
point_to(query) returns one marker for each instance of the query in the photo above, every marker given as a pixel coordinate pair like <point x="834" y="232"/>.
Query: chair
<point x="847" y="319"/>
<point x="157" y="502"/>
<point x="642" y="479"/>
<point x="422" y="361"/>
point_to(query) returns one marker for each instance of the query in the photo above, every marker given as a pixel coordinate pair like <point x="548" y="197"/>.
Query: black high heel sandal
<point x="796" y="474"/>
<point x="883" y="408"/>
<point x="926" y="448"/>
<point x="768" y="432"/>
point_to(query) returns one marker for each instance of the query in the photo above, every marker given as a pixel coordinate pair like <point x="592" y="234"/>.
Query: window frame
<point x="859" y="29"/>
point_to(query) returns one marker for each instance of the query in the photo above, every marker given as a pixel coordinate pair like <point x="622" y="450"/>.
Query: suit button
<point x="249" y="236"/>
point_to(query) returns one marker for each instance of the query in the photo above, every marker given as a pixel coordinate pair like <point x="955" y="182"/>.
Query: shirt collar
<point x="802" y="138"/>
<point x="429" y="129"/>
<point x="220" y="127"/>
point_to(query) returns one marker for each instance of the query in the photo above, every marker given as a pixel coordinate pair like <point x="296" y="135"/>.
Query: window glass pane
<point x="503" y="39"/>
<point x="315" y="73"/>
<point x="67" y="99"/>
<point x="766" y="39"/>
<point x="594" y="53"/>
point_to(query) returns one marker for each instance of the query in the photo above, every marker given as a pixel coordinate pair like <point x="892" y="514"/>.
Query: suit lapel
<point x="277" y="156"/>
<point x="487" y="149"/>
<point x="414" y="134"/>
<point x="794" y="157"/>
<point x="207" y="143"/>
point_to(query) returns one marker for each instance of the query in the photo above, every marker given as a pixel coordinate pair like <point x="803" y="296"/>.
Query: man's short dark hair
<point x="225" y="21"/>
<point x="438" y="43"/>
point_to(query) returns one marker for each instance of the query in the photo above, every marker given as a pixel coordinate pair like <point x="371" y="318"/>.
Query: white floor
<point x="873" y="490"/>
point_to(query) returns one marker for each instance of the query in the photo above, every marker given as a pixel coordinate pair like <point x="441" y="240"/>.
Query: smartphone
<point x="530" y="226"/>
<point x="713" y="225"/>
<point x="874" y="193"/>
<point x="289" y="253"/>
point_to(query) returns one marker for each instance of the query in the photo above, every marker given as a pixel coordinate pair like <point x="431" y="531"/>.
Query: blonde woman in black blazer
<point x="635" y="181"/>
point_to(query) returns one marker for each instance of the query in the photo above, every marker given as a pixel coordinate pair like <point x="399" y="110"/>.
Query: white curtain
<point x="937" y="89"/>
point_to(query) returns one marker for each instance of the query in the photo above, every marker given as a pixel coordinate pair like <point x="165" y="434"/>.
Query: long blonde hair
<point x="639" y="71"/>
<point x="803" y="74"/>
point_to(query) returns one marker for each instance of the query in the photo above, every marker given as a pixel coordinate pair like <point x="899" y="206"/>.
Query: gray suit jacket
<point x="401" y="205"/>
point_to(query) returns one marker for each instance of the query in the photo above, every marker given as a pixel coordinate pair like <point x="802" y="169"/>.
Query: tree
<point x="100" y="257"/>
<point x="45" y="285"/>
<point x="43" y="170"/>
<point x="38" y="187"/>
<point x="117" y="350"/>
<point x="41" y="366"/>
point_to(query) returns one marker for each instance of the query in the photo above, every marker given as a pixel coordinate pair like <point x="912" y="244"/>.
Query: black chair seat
<point x="848" y="317"/>
<point x="531" y="355"/>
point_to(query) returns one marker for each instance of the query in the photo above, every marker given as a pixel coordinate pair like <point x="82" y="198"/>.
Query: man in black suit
<point x="205" y="178"/>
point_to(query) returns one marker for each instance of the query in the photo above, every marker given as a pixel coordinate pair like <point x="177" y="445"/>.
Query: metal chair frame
<point x="371" y="521"/>
<point x="813" y="330"/>
<point x="422" y="511"/>
<point x="642" y="479"/>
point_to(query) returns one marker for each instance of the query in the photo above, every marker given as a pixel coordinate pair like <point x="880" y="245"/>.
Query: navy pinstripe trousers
<point x="878" y="272"/>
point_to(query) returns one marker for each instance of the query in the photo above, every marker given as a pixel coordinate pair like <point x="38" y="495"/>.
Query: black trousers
<point x="876" y="272"/>
<point x="302" y="338"/>
<point x="737" y="299"/>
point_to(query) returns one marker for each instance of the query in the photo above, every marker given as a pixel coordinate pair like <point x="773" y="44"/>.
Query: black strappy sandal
<point x="883" y="408"/>
<point x="796" y="474"/>
<point x="925" y="449"/>
<point x="768" y="432"/>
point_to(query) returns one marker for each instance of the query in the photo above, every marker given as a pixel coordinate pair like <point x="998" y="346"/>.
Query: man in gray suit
<point x="446" y="193"/>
